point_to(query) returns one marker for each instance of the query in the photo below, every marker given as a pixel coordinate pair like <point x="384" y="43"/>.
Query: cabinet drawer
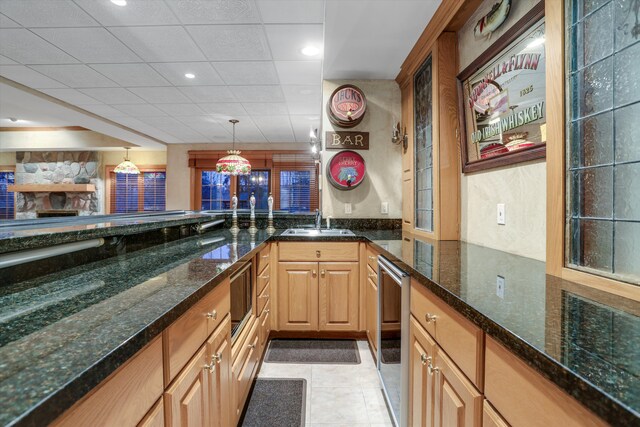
<point x="155" y="416"/>
<point x="265" y="325"/>
<point x="125" y="397"/>
<point x="263" y="259"/>
<point x="490" y="417"/>
<point x="372" y="259"/>
<point x="460" y="338"/>
<point x="244" y="367"/>
<point x="263" y="279"/>
<point x="372" y="274"/>
<point x="263" y="298"/>
<point x="320" y="251"/>
<point x="525" y="398"/>
<point x="184" y="336"/>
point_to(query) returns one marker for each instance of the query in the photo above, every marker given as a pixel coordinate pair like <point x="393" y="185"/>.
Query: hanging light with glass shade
<point x="127" y="166"/>
<point x="233" y="163"/>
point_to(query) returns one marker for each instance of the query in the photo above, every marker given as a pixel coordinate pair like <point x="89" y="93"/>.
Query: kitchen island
<point x="64" y="333"/>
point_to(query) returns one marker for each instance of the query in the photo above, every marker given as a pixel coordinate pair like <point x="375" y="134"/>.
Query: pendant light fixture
<point x="233" y="163"/>
<point x="127" y="166"/>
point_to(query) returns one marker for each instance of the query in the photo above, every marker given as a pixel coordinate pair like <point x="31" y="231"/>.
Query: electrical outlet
<point x="384" y="208"/>
<point x="347" y="208"/>
<point x="502" y="220"/>
<point x="500" y="284"/>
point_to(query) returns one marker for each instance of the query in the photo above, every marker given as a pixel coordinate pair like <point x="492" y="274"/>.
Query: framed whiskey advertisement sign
<point x="503" y="100"/>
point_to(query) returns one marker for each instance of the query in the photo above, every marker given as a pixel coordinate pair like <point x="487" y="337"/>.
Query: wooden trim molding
<point x="41" y="128"/>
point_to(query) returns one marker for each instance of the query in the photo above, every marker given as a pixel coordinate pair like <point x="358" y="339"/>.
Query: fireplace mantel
<point x="47" y="188"/>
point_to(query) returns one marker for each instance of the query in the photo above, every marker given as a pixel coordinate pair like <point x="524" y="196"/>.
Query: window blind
<point x="137" y="193"/>
<point x="7" y="205"/>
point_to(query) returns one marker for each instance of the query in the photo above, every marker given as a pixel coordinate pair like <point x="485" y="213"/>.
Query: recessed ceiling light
<point x="310" y="51"/>
<point x="119" y="2"/>
<point x="190" y="76"/>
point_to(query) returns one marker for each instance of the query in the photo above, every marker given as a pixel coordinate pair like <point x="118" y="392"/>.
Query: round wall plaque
<point x="346" y="170"/>
<point x="346" y="106"/>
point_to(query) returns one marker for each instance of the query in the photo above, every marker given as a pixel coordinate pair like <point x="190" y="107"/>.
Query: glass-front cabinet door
<point x="423" y="162"/>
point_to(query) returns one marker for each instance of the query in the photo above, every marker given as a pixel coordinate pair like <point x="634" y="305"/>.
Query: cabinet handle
<point x="425" y="359"/>
<point x="322" y="273"/>
<point x="252" y="346"/>
<point x="212" y="367"/>
<point x="265" y="256"/>
<point x="432" y="369"/>
<point x="430" y="317"/>
<point x="217" y="358"/>
<point x="318" y="254"/>
<point x="264" y="296"/>
<point x="372" y="258"/>
<point x="213" y="315"/>
<point x="372" y="275"/>
<point x="265" y="277"/>
<point x="313" y="273"/>
<point x="267" y="311"/>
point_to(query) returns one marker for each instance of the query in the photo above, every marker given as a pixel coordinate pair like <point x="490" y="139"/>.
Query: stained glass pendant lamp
<point x="127" y="166"/>
<point x="233" y="163"/>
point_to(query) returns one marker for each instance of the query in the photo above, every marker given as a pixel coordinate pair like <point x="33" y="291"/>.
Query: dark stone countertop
<point x="16" y="235"/>
<point x="64" y="333"/>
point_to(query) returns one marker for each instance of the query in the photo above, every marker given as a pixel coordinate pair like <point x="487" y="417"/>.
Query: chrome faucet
<point x="318" y="220"/>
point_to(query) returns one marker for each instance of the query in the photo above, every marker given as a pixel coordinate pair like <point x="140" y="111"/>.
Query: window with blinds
<point x="145" y="192"/>
<point x="295" y="190"/>
<point x="7" y="205"/>
<point x="216" y="191"/>
<point x="257" y="183"/>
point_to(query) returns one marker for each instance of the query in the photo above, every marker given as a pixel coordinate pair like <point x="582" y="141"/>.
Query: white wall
<point x="383" y="182"/>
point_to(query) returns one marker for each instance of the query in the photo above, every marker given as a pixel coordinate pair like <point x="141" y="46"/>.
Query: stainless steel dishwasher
<point x="393" y="338"/>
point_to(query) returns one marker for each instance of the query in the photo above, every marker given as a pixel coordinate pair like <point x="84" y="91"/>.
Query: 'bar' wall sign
<point x="345" y="139"/>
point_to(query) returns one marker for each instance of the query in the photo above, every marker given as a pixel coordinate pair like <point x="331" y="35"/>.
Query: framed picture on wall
<point x="503" y="94"/>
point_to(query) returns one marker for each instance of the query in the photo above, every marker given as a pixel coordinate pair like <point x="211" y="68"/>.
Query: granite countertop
<point x="27" y="234"/>
<point x="64" y="333"/>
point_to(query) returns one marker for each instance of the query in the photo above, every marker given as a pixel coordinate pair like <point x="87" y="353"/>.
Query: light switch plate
<point x="384" y="208"/>
<point x="500" y="284"/>
<point x="347" y="208"/>
<point x="502" y="220"/>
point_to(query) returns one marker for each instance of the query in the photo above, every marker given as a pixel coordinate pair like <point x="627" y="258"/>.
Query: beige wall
<point x="112" y="158"/>
<point x="179" y="173"/>
<point x="522" y="188"/>
<point x="57" y="140"/>
<point x="7" y="158"/>
<point x="383" y="182"/>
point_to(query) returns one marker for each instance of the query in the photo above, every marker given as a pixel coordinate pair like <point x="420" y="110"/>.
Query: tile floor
<point x="338" y="395"/>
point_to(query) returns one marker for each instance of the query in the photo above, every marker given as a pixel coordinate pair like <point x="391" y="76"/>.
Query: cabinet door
<point x="338" y="296"/>
<point x="372" y="313"/>
<point x="298" y="296"/>
<point x="457" y="403"/>
<point x="421" y="384"/>
<point x="187" y="399"/>
<point x="265" y="326"/>
<point x="219" y="357"/>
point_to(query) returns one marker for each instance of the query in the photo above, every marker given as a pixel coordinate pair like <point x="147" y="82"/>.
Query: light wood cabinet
<point x="244" y="367"/>
<point x="219" y="357"/>
<point x="372" y="313"/>
<point x="421" y="353"/>
<point x="318" y="251"/>
<point x="491" y="418"/>
<point x="338" y="296"/>
<point x="265" y="326"/>
<point x="298" y="296"/>
<point x="187" y="399"/>
<point x="155" y="416"/>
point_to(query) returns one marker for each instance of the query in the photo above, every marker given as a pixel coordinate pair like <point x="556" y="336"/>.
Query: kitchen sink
<point x="313" y="232"/>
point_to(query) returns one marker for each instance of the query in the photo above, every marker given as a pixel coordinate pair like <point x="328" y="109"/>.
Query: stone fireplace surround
<point x="59" y="167"/>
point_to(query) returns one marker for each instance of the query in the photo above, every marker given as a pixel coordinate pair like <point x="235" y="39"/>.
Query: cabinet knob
<point x="424" y="359"/>
<point x="211" y="368"/>
<point x="267" y="310"/>
<point x="251" y="346"/>
<point x="432" y="369"/>
<point x="430" y="317"/>
<point x="322" y="273"/>
<point x="372" y="275"/>
<point x="372" y="258"/>
<point x="264" y="296"/>
<point x="213" y="315"/>
<point x="265" y="277"/>
<point x="313" y="273"/>
<point x="318" y="254"/>
<point x="216" y="358"/>
<point x="265" y="256"/>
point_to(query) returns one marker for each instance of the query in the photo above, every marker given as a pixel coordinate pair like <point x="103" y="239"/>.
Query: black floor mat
<point x="312" y="351"/>
<point x="390" y="350"/>
<point x="276" y="402"/>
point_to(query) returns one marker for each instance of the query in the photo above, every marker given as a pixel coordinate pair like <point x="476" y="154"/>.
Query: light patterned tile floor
<point x="338" y="395"/>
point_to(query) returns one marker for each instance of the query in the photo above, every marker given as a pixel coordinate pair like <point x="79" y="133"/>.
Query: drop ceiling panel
<point x="178" y="110"/>
<point x="257" y="93"/>
<point x="215" y="11"/>
<point x="146" y="129"/>
<point x="160" y="95"/>
<point x="140" y="110"/>
<point x="287" y="11"/>
<point x="6" y="61"/>
<point x="230" y="109"/>
<point x="206" y="94"/>
<point x="265" y="108"/>
<point x="247" y="72"/>
<point x="136" y="12"/>
<point x="94" y="45"/>
<point x="302" y="93"/>
<point x="287" y="48"/>
<point x="28" y="77"/>
<point x="275" y="128"/>
<point x="75" y="75"/>
<point x="5" y="22"/>
<point x="113" y="96"/>
<point x="174" y="72"/>
<point x="132" y="75"/>
<point x="38" y="13"/>
<point x="159" y="44"/>
<point x="27" y="48"/>
<point x="231" y="42"/>
<point x="206" y="125"/>
<point x="299" y="72"/>
<point x="104" y="111"/>
<point x="304" y="107"/>
<point x="71" y="96"/>
<point x="302" y="124"/>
